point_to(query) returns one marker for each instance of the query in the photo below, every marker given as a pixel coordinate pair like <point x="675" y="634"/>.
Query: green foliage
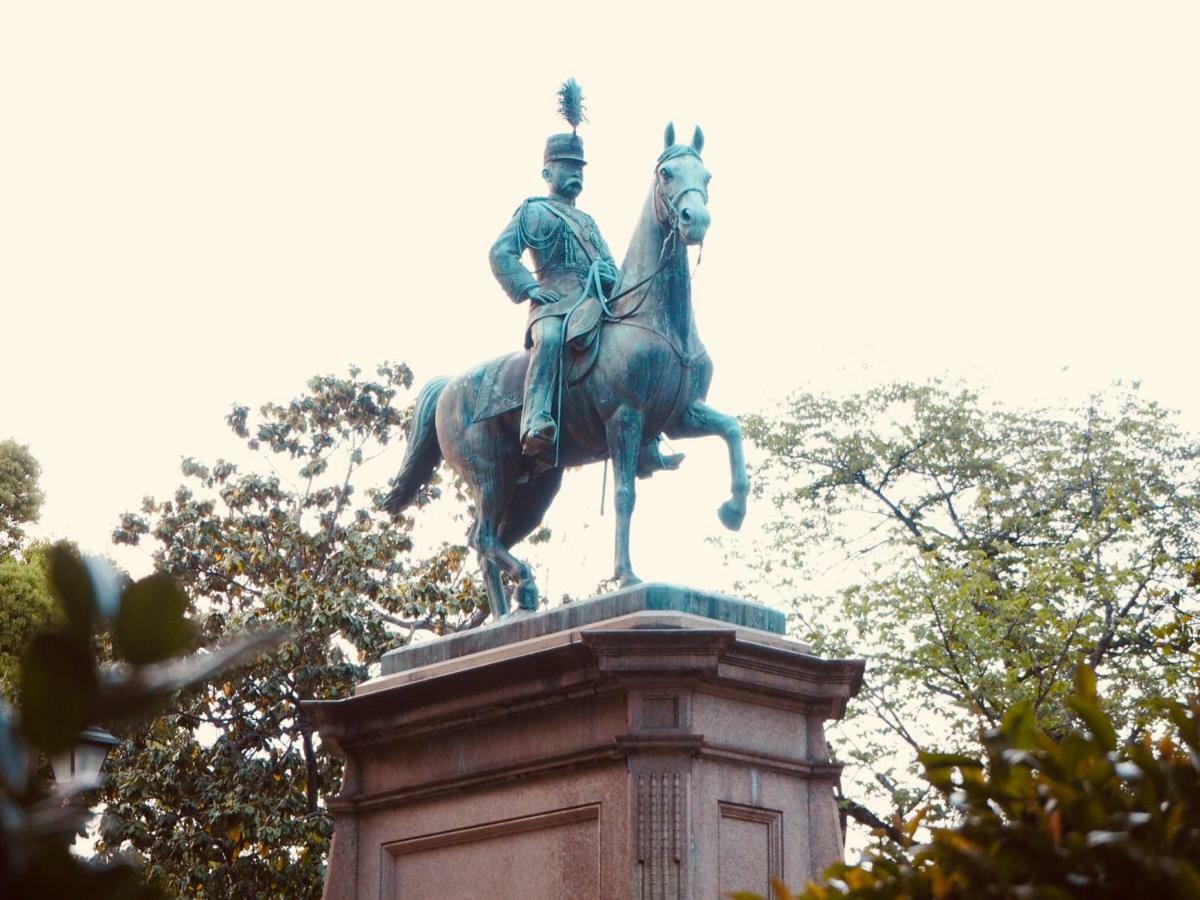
<point x="151" y="625"/>
<point x="976" y="554"/>
<point x="59" y="688"/>
<point x="223" y="795"/>
<point x="25" y="606"/>
<point x="20" y="498"/>
<point x="76" y="594"/>
<point x="1052" y="818"/>
<point x="63" y="690"/>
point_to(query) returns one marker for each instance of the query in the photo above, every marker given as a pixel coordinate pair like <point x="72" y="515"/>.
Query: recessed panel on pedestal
<point x="552" y="854"/>
<point x="751" y="848"/>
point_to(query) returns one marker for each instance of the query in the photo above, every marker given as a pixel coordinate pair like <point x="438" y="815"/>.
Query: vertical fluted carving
<point x="659" y="827"/>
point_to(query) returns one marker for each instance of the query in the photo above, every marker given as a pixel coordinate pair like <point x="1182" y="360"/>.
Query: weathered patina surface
<point x="642" y="371"/>
<point x="648" y="597"/>
<point x="572" y="263"/>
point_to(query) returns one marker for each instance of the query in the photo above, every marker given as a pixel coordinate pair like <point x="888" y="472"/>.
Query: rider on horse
<point x="572" y="260"/>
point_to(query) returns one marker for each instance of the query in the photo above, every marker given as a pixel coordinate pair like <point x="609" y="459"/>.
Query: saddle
<point x="582" y="339"/>
<point x="500" y="383"/>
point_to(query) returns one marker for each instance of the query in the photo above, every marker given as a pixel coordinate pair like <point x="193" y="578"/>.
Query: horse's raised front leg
<point x="624" y="432"/>
<point x="701" y="420"/>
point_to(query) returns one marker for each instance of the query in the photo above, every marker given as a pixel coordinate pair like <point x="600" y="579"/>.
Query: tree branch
<point x="864" y="816"/>
<point x="860" y="478"/>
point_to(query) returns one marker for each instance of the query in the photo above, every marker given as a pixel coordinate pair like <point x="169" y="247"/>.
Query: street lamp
<point x="86" y="759"/>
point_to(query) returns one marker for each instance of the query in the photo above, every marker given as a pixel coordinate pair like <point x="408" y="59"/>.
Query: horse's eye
<point x="707" y="179"/>
<point x="665" y="173"/>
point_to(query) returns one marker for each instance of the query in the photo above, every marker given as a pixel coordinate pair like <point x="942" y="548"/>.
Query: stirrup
<point x="541" y="437"/>
<point x="651" y="459"/>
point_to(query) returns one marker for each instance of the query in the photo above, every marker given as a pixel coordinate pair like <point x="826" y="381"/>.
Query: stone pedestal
<point x="624" y="747"/>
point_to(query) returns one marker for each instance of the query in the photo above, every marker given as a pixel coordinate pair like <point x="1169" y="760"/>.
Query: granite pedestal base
<point x="651" y="754"/>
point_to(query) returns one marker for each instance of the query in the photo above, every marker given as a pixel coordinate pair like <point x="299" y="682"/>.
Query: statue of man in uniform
<point x="571" y="258"/>
<point x="564" y="243"/>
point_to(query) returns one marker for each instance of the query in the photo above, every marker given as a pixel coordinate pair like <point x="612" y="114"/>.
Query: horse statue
<point x="642" y="371"/>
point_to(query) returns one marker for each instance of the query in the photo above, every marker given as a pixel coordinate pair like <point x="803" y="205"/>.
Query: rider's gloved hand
<point x="609" y="274"/>
<point x="542" y="296"/>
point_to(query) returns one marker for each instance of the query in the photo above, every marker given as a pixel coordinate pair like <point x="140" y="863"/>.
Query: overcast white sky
<point x="208" y="203"/>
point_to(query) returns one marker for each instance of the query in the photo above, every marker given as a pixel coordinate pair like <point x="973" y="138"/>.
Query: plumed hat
<point x="570" y="105"/>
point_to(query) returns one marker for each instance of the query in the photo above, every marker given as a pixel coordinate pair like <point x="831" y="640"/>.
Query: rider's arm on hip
<point x="529" y="227"/>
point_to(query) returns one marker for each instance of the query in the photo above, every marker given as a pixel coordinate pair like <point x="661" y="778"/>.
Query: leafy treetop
<point x="976" y="554"/>
<point x="224" y="794"/>
<point x="1072" y="816"/>
<point x="20" y="497"/>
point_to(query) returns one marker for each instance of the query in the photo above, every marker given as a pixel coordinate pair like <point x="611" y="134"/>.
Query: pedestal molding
<point x="713" y="660"/>
<point x="367" y="800"/>
<point x="517" y="825"/>
<point x="649" y="598"/>
<point x="805" y="769"/>
<point x="623" y="746"/>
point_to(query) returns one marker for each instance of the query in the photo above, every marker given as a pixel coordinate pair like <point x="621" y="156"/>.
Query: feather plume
<point x="570" y="102"/>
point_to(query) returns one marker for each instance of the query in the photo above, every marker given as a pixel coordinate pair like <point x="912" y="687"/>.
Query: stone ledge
<point x="652" y="597"/>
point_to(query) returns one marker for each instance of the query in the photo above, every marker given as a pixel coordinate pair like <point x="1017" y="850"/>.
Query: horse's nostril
<point x="685" y="216"/>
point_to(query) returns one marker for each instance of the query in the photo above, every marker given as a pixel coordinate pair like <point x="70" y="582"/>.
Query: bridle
<point x="671" y="204"/>
<point x="592" y="284"/>
<point x="669" y="221"/>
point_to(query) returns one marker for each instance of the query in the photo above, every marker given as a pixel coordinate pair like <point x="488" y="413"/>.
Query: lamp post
<point x="86" y="759"/>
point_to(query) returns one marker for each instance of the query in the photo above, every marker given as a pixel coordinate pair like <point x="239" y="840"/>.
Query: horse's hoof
<point x="731" y="515"/>
<point x="526" y="596"/>
<point x="629" y="580"/>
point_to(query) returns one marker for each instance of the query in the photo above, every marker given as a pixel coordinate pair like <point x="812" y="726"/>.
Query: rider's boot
<point x="651" y="459"/>
<point x="539" y="432"/>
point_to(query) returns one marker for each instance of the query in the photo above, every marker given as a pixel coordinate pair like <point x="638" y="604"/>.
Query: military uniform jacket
<point x="561" y="258"/>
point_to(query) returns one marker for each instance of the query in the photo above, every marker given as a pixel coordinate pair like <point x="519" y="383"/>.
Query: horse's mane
<point x="644" y="246"/>
<point x="665" y="304"/>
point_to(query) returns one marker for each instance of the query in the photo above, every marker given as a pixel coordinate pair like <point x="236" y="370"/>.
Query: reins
<point x="671" y="206"/>
<point x="593" y="282"/>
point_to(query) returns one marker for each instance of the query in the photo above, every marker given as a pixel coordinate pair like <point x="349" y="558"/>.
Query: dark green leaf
<point x="72" y="584"/>
<point x="1019" y="723"/>
<point x="1085" y="681"/>
<point x="1097" y="721"/>
<point x="152" y="624"/>
<point x="58" y="689"/>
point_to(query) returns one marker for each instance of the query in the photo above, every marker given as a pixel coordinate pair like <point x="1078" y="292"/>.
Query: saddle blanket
<point x="500" y="386"/>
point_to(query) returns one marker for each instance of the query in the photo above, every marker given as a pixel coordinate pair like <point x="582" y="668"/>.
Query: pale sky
<point x="209" y="203"/>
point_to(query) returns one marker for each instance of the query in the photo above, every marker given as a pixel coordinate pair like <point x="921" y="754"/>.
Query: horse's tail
<point x="423" y="453"/>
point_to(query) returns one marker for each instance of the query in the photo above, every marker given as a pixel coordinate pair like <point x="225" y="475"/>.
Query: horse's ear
<point x="669" y="137"/>
<point x="698" y="140"/>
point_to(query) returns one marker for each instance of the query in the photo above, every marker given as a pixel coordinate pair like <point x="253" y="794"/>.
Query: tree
<point x="975" y="555"/>
<point x="222" y="795"/>
<point x="26" y="605"/>
<point x="64" y="688"/>
<point x="20" y="498"/>
<point x="1053" y="818"/>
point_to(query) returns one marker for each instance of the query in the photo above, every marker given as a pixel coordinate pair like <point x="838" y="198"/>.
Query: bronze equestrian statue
<point x="566" y="247"/>
<point x="631" y="366"/>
